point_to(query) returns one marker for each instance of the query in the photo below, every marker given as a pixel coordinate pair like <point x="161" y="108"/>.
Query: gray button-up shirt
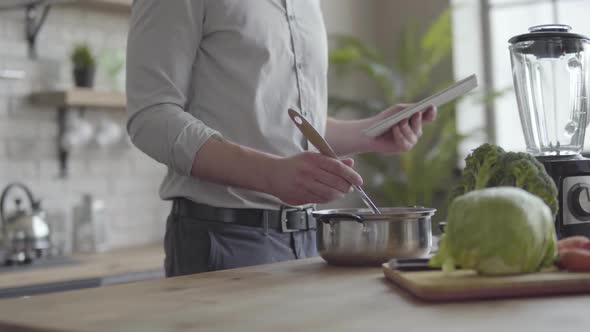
<point x="232" y="68"/>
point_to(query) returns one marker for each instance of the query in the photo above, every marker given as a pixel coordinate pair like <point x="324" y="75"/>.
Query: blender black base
<point x="572" y="177"/>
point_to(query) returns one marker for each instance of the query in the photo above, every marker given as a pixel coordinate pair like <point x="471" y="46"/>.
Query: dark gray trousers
<point x="194" y="246"/>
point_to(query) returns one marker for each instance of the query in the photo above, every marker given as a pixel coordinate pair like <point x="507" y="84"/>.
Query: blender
<point x="550" y="71"/>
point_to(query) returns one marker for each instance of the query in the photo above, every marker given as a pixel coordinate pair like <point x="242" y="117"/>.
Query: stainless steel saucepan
<point x="360" y="237"/>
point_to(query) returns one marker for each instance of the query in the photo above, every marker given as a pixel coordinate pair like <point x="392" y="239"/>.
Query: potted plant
<point x="423" y="175"/>
<point x="84" y="66"/>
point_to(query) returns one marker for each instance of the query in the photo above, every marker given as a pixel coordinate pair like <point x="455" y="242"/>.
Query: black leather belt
<point x="286" y="219"/>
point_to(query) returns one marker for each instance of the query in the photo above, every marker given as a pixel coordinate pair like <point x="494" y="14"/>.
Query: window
<point x="482" y="29"/>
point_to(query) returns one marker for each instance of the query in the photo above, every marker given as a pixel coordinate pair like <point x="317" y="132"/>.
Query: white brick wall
<point x="122" y="176"/>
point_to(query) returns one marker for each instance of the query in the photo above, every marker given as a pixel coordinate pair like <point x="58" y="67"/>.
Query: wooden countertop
<point x="297" y="296"/>
<point x="111" y="263"/>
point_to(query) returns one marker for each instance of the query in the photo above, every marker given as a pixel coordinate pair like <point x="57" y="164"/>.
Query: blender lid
<point x="550" y="40"/>
<point x="548" y="31"/>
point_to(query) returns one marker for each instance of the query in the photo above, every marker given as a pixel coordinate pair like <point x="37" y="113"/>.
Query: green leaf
<point x="364" y="107"/>
<point x="437" y="40"/>
<point x="344" y="55"/>
<point x="383" y="76"/>
<point x="364" y="49"/>
<point x="408" y="52"/>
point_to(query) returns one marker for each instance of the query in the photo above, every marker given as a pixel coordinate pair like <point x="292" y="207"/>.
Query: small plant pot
<point x="84" y="77"/>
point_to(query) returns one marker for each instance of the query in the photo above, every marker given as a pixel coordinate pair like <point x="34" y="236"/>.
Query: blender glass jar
<point x="549" y="68"/>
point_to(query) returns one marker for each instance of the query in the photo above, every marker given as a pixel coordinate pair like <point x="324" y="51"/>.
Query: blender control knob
<point x="579" y="201"/>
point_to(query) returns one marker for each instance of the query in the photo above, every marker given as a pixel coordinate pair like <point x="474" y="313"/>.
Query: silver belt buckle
<point x="284" y="221"/>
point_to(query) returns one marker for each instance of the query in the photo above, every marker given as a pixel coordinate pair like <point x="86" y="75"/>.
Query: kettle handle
<point x="34" y="204"/>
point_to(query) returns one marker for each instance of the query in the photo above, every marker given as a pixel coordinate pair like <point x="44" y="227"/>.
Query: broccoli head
<point x="490" y="166"/>
<point x="480" y="166"/>
<point x="529" y="174"/>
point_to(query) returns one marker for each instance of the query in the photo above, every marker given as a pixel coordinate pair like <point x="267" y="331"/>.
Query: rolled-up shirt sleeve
<point x="163" y="40"/>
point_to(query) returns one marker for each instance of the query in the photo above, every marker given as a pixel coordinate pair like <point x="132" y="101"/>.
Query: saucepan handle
<point x="339" y="216"/>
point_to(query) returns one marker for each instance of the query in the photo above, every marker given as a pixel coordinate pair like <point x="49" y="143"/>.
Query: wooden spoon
<point x="320" y="143"/>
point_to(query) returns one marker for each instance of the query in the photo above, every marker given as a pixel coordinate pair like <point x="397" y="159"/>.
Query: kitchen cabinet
<point x="304" y="295"/>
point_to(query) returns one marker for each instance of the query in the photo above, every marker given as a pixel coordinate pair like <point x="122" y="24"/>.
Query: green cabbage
<point x="497" y="231"/>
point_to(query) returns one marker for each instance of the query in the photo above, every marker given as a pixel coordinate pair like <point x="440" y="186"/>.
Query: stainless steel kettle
<point x="26" y="234"/>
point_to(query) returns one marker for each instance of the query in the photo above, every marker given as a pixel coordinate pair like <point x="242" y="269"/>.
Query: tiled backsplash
<point x="120" y="175"/>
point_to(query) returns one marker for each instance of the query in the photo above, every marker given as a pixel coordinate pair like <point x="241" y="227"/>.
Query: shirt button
<point x="291" y="18"/>
<point x="300" y="66"/>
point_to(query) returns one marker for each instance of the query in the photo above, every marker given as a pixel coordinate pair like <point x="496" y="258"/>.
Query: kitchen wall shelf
<point x="111" y="5"/>
<point x="81" y="99"/>
<point x="86" y="98"/>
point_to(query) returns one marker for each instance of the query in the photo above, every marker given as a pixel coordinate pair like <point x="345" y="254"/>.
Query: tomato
<point x="574" y="253"/>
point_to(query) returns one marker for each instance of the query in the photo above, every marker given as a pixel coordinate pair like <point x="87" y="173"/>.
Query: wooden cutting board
<point x="462" y="285"/>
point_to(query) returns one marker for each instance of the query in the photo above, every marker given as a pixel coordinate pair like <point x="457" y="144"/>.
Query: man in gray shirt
<point x="209" y="83"/>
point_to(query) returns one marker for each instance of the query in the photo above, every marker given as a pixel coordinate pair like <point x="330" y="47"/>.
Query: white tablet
<point x="440" y="98"/>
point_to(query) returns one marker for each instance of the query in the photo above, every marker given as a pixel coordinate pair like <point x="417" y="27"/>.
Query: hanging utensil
<point x="320" y="143"/>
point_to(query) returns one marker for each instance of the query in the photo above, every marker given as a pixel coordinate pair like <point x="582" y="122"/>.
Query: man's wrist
<point x="259" y="169"/>
<point x="346" y="136"/>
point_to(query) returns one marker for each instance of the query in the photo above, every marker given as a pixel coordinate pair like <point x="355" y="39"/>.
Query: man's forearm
<point x="233" y="165"/>
<point x="345" y="136"/>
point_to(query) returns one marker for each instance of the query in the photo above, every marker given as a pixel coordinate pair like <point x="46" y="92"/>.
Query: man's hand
<point x="346" y="136"/>
<point x="311" y="178"/>
<point x="403" y="136"/>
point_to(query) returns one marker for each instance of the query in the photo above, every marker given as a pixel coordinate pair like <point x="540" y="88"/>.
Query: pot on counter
<point x="360" y="237"/>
